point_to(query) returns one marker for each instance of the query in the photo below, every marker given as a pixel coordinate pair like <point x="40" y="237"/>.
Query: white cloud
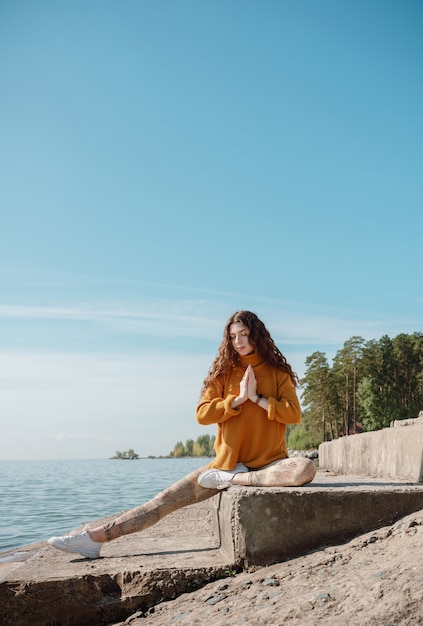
<point x="63" y="398"/>
<point x="291" y="323"/>
<point x="163" y="318"/>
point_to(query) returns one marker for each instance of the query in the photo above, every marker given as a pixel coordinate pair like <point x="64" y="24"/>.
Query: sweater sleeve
<point x="286" y="407"/>
<point x="214" y="408"/>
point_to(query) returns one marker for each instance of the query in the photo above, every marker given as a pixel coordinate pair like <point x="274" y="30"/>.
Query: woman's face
<point x="240" y="338"/>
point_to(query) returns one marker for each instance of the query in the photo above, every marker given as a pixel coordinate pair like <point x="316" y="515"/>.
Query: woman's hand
<point x="243" y="390"/>
<point x="247" y="388"/>
<point x="251" y="384"/>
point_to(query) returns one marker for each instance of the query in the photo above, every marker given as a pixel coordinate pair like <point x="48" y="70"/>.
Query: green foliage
<point x="299" y="437"/>
<point x="231" y="572"/>
<point x="203" y="446"/>
<point x="319" y="421"/>
<point x="369" y="385"/>
<point x="392" y="388"/>
<point x="127" y="454"/>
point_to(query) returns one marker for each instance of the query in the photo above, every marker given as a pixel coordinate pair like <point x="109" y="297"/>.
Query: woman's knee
<point x="304" y="471"/>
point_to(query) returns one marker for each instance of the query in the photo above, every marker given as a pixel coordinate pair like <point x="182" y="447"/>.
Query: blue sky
<point x="163" y="164"/>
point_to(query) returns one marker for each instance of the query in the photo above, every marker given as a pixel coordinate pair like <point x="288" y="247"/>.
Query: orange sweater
<point x="249" y="434"/>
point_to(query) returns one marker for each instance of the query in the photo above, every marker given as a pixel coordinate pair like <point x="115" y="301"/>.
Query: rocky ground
<point x="374" y="580"/>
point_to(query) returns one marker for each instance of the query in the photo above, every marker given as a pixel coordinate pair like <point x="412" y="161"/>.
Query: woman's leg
<point x="182" y="493"/>
<point x="292" y="472"/>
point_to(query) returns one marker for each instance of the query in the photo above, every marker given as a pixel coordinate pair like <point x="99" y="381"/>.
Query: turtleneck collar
<point x="250" y="359"/>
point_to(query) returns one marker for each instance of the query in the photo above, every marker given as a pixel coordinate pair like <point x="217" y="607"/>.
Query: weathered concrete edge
<point x="395" y="453"/>
<point x="99" y="599"/>
<point x="43" y="586"/>
<point x="277" y="525"/>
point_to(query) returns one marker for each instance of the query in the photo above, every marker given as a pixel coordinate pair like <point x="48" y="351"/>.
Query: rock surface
<point x="42" y="586"/>
<point x="374" y="580"/>
<point x="176" y="573"/>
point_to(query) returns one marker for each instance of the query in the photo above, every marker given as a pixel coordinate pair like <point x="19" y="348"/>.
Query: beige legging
<point x="290" y="472"/>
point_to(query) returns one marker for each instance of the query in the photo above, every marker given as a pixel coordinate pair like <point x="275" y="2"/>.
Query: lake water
<point x="39" y="499"/>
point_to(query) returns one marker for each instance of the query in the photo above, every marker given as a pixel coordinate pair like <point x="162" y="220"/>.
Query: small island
<point x="126" y="455"/>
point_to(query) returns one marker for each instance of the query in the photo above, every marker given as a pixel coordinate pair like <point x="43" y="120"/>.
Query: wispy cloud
<point x="164" y="318"/>
<point x="291" y="323"/>
<point x="80" y="366"/>
<point x="88" y="313"/>
<point x="88" y="369"/>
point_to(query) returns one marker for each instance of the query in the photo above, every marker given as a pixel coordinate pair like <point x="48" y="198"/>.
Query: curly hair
<point x="227" y="357"/>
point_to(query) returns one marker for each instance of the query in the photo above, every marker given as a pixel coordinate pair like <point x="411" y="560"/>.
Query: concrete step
<point x="240" y="527"/>
<point x="260" y="526"/>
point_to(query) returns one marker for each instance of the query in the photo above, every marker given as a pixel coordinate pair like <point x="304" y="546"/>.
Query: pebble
<point x="214" y="599"/>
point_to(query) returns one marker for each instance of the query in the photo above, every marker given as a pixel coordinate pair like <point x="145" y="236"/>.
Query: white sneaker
<point x="80" y="543"/>
<point x="219" y="479"/>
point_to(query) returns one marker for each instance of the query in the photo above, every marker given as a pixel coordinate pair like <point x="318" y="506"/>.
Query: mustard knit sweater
<point x="249" y="434"/>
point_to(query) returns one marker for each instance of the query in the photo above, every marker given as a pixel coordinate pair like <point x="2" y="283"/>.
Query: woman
<point x="250" y="394"/>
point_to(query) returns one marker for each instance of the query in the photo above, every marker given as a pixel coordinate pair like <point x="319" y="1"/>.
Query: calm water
<point x="43" y="498"/>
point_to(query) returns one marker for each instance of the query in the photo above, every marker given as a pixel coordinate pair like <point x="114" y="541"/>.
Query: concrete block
<point x="395" y="453"/>
<point x="260" y="526"/>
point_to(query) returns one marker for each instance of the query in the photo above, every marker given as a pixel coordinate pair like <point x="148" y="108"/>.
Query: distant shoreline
<point x="143" y="458"/>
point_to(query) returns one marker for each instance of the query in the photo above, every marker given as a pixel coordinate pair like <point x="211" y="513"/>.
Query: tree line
<point x="368" y="385"/>
<point x="202" y="446"/>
